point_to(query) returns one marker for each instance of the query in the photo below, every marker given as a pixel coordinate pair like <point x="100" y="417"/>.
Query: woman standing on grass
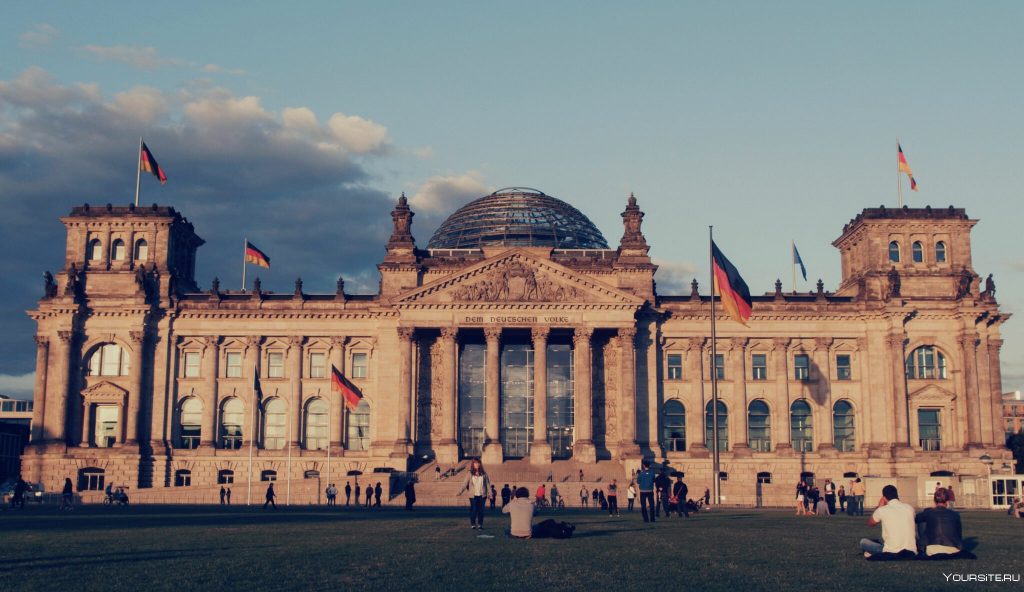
<point x="801" y="496"/>
<point x="478" y="485"/>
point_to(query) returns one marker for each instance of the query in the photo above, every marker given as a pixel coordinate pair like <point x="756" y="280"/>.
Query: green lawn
<point x="181" y="548"/>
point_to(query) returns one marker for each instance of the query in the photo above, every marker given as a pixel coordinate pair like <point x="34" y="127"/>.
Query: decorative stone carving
<point x="581" y="335"/>
<point x="449" y="333"/>
<point x="964" y="284"/>
<point x="436" y="388"/>
<point x="136" y="337"/>
<point x="71" y="285"/>
<point x="894" y="283"/>
<point x="492" y="334"/>
<point x="339" y="290"/>
<point x="42" y="341"/>
<point x="540" y="334"/>
<point x="405" y="333"/>
<point x="104" y="392"/>
<point x="694" y="290"/>
<point x="401" y="217"/>
<point x="49" y="285"/>
<point x="515" y="282"/>
<point x="65" y="336"/>
<point x="611" y="391"/>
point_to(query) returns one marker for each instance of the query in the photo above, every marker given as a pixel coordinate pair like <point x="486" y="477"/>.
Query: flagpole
<point x="792" y="256"/>
<point x="288" y="490"/>
<point x="714" y="377"/>
<point x="899" y="183"/>
<point x="329" y="406"/>
<point x="245" y="244"/>
<point x="252" y="439"/>
<point x="138" y="173"/>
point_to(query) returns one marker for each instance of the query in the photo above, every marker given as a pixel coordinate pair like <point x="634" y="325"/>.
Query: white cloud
<point x="138" y="56"/>
<point x="674" y="277"/>
<point x="220" y="108"/>
<point x="423" y="152"/>
<point x="358" y="135"/>
<point x="38" y="36"/>
<point x="142" y="103"/>
<point x="445" y="194"/>
<point x="216" y="69"/>
<point x="18" y="386"/>
<point x="299" y="119"/>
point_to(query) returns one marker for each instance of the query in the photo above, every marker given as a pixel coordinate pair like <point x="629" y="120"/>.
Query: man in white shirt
<point x="897" y="520"/>
<point x="521" y="509"/>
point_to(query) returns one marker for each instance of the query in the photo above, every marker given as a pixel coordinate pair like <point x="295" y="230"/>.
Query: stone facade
<point x="147" y="380"/>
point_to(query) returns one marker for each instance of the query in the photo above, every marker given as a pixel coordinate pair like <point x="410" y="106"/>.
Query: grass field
<point x="300" y="548"/>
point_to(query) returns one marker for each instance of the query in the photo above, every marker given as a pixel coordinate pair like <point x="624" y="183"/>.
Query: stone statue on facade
<point x="990" y="289"/>
<point x="339" y="288"/>
<point x="964" y="285"/>
<point x="215" y="286"/>
<point x="894" y="283"/>
<point x="71" y="286"/>
<point x="298" y="287"/>
<point x="49" y="285"/>
<point x="140" y="278"/>
<point x="694" y="290"/>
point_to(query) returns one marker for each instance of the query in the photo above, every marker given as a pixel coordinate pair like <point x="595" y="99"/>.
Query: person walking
<point x="554" y="495"/>
<point x="541" y="496"/>
<point x="630" y="496"/>
<point x="477" y="484"/>
<point x="613" y="499"/>
<point x="348" y="493"/>
<point x="707" y="496"/>
<point x="645" y="483"/>
<point x="857" y="489"/>
<point x="410" y="494"/>
<point x="494" y="495"/>
<point x="679" y="491"/>
<point x="18" y="500"/>
<point x="223" y="495"/>
<point x="584" y="497"/>
<point x="229" y="495"/>
<point x="67" y="497"/>
<point x="664" y="486"/>
<point x="830" y="496"/>
<point x="506" y="495"/>
<point x="270" y="497"/>
<point x="369" y="495"/>
<point x="377" y="492"/>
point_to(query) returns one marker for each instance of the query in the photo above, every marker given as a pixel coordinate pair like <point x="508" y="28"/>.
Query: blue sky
<point x="299" y="125"/>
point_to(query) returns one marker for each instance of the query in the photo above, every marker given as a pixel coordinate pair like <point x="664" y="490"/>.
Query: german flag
<point x="256" y="256"/>
<point x="341" y="386"/>
<point x="903" y="167"/>
<point x="731" y="287"/>
<point x="148" y="164"/>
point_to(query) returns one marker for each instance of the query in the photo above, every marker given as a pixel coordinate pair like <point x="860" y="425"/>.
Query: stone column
<point x="447" y="450"/>
<point x="295" y="383"/>
<point x="995" y="390"/>
<point x="627" y="341"/>
<point x="338" y="409"/>
<point x="131" y="415"/>
<point x="694" y="373"/>
<point x="968" y="345"/>
<point x="583" y="449"/>
<point x="781" y="431"/>
<point x="405" y="343"/>
<point x="493" y="451"/>
<point x="899" y="392"/>
<point x="540" y="448"/>
<point x="991" y="424"/>
<point x="737" y="374"/>
<point x="39" y="390"/>
<point x="211" y="364"/>
<point x="56" y="415"/>
<point x="823" y="440"/>
<point x="86" y="409"/>
<point x="250" y="433"/>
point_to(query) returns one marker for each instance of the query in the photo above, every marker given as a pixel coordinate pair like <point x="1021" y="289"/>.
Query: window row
<point x="759" y="367"/>
<point x="917" y="252"/>
<point x="274" y="425"/>
<point x="94" y="250"/>
<point x="317" y="365"/>
<point x="94" y="478"/>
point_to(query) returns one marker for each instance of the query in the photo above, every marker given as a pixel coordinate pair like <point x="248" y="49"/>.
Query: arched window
<point x="94" y="252"/>
<point x="359" y="427"/>
<point x="926" y="363"/>
<point x="723" y="426"/>
<point x="117" y="251"/>
<point x="191" y="422"/>
<point x="674" y="426"/>
<point x="843" y="426"/>
<point x="225" y="477"/>
<point x="91" y="479"/>
<point x="894" y="252"/>
<point x="759" y="421"/>
<point x="109" y="359"/>
<point x="940" y="252"/>
<point x="317" y="412"/>
<point x="141" y="250"/>
<point x="232" y="416"/>
<point x="275" y="425"/>
<point x="802" y="426"/>
<point x="268" y="475"/>
<point x="917" y="250"/>
<point x="183" y="478"/>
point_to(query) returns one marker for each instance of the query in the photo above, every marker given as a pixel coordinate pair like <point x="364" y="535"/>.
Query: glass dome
<point x="517" y="217"/>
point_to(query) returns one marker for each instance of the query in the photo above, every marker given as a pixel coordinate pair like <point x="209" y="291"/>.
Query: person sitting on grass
<point x="1016" y="508"/>
<point x="897" y="520"/>
<point x="521" y="511"/>
<point x="941" y="533"/>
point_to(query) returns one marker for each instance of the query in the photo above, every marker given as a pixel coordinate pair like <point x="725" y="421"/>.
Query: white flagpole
<point x="138" y="173"/>
<point x="252" y="438"/>
<point x="288" y="489"/>
<point x="245" y="245"/>
<point x="716" y="467"/>
<point x="329" y="406"/>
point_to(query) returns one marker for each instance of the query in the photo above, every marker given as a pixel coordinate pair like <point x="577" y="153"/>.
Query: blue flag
<point x="798" y="261"/>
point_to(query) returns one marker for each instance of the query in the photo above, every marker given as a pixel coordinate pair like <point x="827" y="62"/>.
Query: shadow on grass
<point x="126" y="557"/>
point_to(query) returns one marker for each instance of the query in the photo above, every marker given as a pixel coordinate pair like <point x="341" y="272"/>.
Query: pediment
<point x="518" y="277"/>
<point x="933" y="394"/>
<point x="105" y="392"/>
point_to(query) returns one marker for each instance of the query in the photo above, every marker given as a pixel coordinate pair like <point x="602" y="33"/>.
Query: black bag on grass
<point x="549" y="529"/>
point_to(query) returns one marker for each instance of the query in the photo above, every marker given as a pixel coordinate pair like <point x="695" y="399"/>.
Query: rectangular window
<point x="675" y="366"/>
<point x="106" y="425"/>
<point x="317" y="365"/>
<point x="359" y="366"/>
<point x="275" y="365"/>
<point x="759" y="367"/>
<point x="843" y="367"/>
<point x="234" y="365"/>
<point x="802" y="367"/>
<point x="720" y="366"/>
<point x="929" y="428"/>
<point x="192" y="364"/>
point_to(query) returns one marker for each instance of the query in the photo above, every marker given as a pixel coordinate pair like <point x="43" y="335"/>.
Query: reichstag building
<point x="521" y="336"/>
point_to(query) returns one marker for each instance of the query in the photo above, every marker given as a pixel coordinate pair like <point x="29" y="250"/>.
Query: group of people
<point x="809" y="498"/>
<point x="935" y="532"/>
<point x="374" y="494"/>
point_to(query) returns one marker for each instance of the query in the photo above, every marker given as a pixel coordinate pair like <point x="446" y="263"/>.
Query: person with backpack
<point x="678" y="499"/>
<point x="645" y="483"/>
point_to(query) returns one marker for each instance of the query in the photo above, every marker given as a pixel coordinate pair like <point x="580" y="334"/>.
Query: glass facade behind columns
<point x="472" y="397"/>
<point x="516" y="399"/>
<point x="560" y="400"/>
